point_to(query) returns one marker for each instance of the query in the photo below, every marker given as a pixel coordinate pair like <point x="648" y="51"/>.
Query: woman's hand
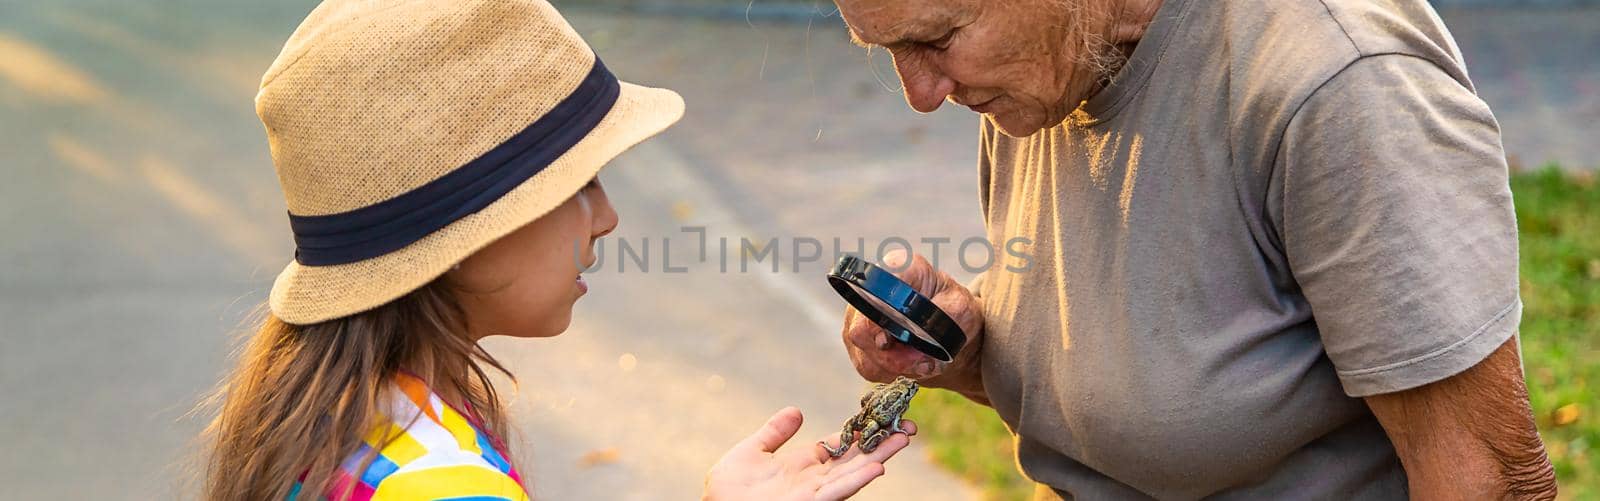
<point x="878" y="359"/>
<point x="755" y="469"/>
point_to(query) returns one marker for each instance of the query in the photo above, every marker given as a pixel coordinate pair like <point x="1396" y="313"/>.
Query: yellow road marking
<point x="77" y="155"/>
<point x="236" y="68"/>
<point x="44" y="76"/>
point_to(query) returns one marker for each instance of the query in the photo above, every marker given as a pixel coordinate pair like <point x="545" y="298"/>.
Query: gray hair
<point x="1089" y="20"/>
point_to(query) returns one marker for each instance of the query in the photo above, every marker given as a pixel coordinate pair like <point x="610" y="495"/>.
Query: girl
<point x="438" y="160"/>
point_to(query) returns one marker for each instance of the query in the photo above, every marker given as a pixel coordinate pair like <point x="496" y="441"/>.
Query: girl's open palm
<point x="755" y="469"/>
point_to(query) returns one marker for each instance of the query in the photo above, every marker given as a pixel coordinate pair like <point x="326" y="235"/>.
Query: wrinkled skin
<point x="1027" y="64"/>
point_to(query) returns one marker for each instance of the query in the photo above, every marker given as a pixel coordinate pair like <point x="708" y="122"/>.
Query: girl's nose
<point x="605" y="216"/>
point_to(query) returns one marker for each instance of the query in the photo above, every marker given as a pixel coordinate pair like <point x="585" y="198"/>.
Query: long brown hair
<point x="301" y="398"/>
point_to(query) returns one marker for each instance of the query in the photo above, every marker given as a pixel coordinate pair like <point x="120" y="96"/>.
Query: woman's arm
<point x="1470" y="436"/>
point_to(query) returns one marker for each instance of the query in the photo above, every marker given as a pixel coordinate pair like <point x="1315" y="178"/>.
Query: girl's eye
<point x="943" y="42"/>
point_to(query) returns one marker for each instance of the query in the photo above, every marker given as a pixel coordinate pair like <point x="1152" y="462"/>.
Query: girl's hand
<point x="754" y="469"/>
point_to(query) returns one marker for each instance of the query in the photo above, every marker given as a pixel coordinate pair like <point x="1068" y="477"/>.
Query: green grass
<point x="1559" y="218"/>
<point x="970" y="440"/>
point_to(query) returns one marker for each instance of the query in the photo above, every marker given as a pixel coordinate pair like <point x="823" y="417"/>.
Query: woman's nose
<point x="925" y="86"/>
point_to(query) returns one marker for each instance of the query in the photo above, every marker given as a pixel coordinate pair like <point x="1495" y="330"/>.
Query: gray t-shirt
<point x="1278" y="206"/>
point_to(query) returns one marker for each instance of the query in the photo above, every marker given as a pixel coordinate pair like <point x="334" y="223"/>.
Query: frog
<point x="881" y="408"/>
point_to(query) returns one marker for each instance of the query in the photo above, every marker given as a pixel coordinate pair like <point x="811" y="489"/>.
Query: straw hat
<point x="408" y="134"/>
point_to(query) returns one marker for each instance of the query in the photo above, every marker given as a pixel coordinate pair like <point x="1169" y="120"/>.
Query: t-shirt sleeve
<point x="1398" y="225"/>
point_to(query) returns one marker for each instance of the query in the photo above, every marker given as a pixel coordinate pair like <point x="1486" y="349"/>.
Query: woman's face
<point x="1020" y="62"/>
<point x="525" y="284"/>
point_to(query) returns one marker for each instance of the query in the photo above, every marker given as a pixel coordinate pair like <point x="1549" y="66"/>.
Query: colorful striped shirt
<point x="435" y="454"/>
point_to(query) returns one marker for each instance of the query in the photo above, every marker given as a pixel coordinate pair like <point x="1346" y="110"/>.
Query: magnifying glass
<point x="908" y="316"/>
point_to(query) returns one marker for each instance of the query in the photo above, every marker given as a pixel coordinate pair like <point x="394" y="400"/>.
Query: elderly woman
<point x="1273" y="248"/>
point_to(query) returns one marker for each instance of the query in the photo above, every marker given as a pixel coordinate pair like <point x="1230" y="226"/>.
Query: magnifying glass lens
<point x="899" y="318"/>
<point x="908" y="316"/>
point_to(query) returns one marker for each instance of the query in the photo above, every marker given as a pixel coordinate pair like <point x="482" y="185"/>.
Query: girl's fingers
<point x="849" y="483"/>
<point x="885" y="450"/>
<point x="846" y="465"/>
<point x="779" y="429"/>
<point x="854" y="452"/>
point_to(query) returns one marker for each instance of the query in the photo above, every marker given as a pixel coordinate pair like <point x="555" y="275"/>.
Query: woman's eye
<point x="943" y="42"/>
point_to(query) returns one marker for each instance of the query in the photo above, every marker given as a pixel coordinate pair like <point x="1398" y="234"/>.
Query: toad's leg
<point x="872" y="436"/>
<point x="896" y="426"/>
<point x="845" y="437"/>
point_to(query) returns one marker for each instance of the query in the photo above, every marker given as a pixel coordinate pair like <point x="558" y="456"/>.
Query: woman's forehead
<point x="887" y="23"/>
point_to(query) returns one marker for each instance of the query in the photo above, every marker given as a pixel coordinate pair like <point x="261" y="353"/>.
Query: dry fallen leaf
<point x="1566" y="414"/>
<point x="1582" y="178"/>
<point x="599" y="457"/>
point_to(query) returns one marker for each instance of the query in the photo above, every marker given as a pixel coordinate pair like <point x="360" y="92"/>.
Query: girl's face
<point x="525" y="284"/>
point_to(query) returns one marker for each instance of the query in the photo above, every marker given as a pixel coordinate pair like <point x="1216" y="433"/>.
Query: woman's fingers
<point x="876" y="357"/>
<point x="779" y="429"/>
<point x="849" y="482"/>
<point x="879" y="359"/>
